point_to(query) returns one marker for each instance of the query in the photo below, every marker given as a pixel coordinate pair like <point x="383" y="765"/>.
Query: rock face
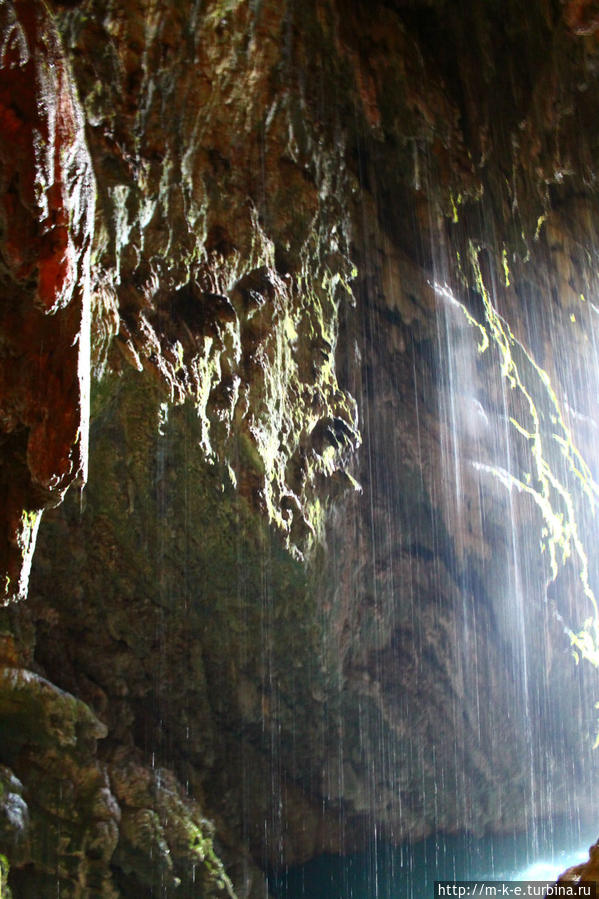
<point x="586" y="872"/>
<point x="47" y="188"/>
<point x="317" y="228"/>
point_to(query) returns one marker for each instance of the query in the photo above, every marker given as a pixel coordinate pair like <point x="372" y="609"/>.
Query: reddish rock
<point x="46" y="219"/>
<point x="582" y="16"/>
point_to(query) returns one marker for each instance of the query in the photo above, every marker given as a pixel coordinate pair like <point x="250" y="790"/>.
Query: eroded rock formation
<point x="316" y="226"/>
<point x="48" y="195"/>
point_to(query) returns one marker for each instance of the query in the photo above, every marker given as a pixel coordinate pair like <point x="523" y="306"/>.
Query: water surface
<point x="410" y="871"/>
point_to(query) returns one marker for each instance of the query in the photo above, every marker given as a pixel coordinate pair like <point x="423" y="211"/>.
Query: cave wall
<point x="48" y="192"/>
<point x="269" y="621"/>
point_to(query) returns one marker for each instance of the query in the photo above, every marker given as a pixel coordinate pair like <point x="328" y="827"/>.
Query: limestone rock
<point x="586" y="872"/>
<point x="302" y="212"/>
<point x="47" y="212"/>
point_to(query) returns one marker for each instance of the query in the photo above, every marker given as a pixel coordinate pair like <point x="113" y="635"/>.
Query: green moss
<point x="30" y="520"/>
<point x="540" y="222"/>
<point x="456" y="202"/>
<point x="506" y="268"/>
<point x="561" y="539"/>
<point x="5" y="892"/>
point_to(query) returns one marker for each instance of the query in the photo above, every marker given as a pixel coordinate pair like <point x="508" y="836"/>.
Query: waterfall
<point x="479" y="516"/>
<point x="323" y="621"/>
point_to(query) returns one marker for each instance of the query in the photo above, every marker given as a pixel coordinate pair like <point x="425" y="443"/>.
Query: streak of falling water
<point x="480" y="455"/>
<point x="516" y="594"/>
<point x="480" y="459"/>
<point x="462" y="454"/>
<point x="465" y="428"/>
<point x="515" y="599"/>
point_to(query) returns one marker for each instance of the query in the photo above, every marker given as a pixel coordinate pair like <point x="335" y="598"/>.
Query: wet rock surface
<point x="332" y="247"/>
<point x="585" y="872"/>
<point x="47" y="211"/>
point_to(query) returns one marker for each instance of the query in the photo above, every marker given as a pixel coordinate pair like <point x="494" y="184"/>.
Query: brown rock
<point x="585" y="872"/>
<point x="46" y="210"/>
<point x="582" y="16"/>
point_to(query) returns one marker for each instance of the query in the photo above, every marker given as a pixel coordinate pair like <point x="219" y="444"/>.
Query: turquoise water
<point x="410" y="871"/>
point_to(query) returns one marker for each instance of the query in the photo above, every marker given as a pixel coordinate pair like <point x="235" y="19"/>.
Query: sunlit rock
<point x="336" y="547"/>
<point x="586" y="871"/>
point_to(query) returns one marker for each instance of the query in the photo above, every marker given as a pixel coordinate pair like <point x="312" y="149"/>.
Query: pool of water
<point x="410" y="871"/>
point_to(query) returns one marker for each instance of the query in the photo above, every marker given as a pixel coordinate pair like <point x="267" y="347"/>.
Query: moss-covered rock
<point x="220" y="623"/>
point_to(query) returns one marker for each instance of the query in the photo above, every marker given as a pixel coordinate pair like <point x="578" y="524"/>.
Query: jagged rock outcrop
<point x="93" y="827"/>
<point x="314" y="225"/>
<point x="48" y="192"/>
<point x="586" y="872"/>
